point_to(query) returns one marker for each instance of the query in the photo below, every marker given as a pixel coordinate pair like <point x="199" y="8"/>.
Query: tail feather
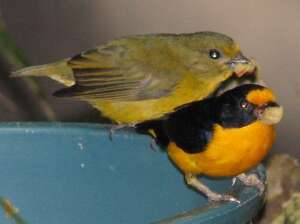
<point x="59" y="71"/>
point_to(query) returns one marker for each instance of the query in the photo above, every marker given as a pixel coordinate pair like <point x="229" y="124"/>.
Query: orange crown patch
<point x="261" y="96"/>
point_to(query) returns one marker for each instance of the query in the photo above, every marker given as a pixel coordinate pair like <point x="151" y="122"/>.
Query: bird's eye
<point x="214" y="54"/>
<point x="245" y="105"/>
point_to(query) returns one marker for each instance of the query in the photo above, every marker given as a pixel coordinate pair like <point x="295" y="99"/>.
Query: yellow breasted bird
<point x="221" y="136"/>
<point x="143" y="77"/>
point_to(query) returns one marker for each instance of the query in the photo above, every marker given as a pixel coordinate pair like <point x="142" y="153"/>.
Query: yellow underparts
<point x="132" y="112"/>
<point x="230" y="152"/>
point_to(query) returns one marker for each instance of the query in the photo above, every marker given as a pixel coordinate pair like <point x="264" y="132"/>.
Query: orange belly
<point x="230" y="152"/>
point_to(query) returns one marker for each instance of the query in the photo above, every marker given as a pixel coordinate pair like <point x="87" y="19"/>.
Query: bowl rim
<point x="251" y="200"/>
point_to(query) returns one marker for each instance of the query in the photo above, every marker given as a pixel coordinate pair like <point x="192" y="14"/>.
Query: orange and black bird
<point x="221" y="136"/>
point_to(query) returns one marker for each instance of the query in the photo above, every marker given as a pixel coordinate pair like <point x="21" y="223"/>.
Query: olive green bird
<point x="143" y="77"/>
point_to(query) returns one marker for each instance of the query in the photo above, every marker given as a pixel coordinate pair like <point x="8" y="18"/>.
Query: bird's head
<point x="245" y="104"/>
<point x="216" y="53"/>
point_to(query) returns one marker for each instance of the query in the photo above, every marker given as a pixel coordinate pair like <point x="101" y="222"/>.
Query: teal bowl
<point x="72" y="173"/>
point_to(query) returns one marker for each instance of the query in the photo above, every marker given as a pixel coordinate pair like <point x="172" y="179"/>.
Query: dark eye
<point x="245" y="105"/>
<point x="214" y="54"/>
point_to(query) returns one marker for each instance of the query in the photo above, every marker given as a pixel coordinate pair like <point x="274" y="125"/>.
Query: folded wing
<point x="117" y="73"/>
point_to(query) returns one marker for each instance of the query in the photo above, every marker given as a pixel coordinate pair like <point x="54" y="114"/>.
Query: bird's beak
<point x="241" y="65"/>
<point x="270" y="113"/>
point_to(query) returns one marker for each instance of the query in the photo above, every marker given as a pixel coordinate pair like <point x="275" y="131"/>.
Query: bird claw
<point x="153" y="145"/>
<point x="222" y="197"/>
<point x="233" y="181"/>
<point x="110" y="133"/>
<point x="114" y="128"/>
<point x="211" y="195"/>
<point x="252" y="180"/>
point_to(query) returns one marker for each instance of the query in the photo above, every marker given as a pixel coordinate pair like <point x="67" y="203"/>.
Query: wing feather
<point x="101" y="73"/>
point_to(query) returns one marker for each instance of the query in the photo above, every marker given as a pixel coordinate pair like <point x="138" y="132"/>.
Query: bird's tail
<point x="58" y="71"/>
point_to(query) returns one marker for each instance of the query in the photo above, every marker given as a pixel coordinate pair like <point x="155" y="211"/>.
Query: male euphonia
<point x="220" y="136"/>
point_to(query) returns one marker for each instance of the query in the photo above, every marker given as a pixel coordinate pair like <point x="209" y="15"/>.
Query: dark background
<point x="266" y="30"/>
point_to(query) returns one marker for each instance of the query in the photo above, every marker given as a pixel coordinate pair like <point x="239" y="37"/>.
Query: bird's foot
<point x="211" y="195"/>
<point x="233" y="181"/>
<point x="252" y="180"/>
<point x="153" y="144"/>
<point x="115" y="128"/>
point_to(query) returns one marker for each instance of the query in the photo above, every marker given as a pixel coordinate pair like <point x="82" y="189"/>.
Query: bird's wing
<point x="115" y="73"/>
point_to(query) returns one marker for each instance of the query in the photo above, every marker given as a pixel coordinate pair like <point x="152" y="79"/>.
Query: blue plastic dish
<point x="72" y="173"/>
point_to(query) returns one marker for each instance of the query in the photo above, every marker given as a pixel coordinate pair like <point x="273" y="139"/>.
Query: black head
<point x="245" y="104"/>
